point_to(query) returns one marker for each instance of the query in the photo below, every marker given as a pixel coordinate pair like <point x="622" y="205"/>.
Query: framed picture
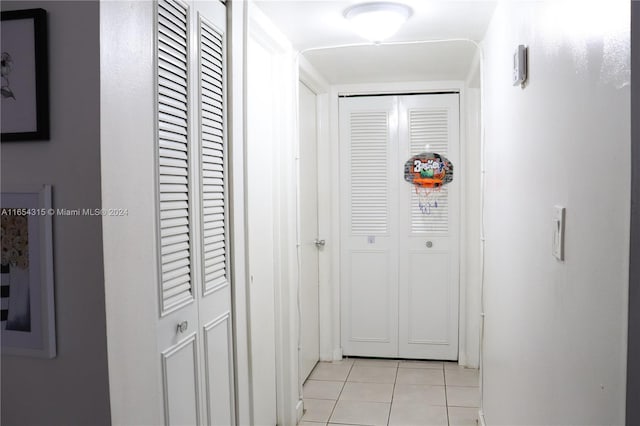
<point x="25" y="75"/>
<point x="27" y="314"/>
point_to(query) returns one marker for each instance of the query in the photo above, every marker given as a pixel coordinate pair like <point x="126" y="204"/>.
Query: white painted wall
<point x="73" y="387"/>
<point x="261" y="153"/>
<point x="555" y="332"/>
<point x="279" y="85"/>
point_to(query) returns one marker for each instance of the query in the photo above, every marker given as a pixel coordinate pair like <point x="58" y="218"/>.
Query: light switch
<point x="520" y="59"/>
<point x="558" y="232"/>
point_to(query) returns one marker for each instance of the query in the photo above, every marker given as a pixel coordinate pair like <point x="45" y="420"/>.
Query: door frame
<point x="333" y="328"/>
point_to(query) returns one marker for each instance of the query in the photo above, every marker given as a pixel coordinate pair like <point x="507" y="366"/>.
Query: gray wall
<point x="633" y="357"/>
<point x="73" y="388"/>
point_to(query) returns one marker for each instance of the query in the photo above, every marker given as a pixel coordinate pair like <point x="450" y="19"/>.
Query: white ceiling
<point x="312" y="24"/>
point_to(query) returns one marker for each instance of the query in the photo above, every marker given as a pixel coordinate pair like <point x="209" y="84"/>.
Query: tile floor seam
<point x="446" y="396"/>
<point x="344" y="383"/>
<point x="393" y="391"/>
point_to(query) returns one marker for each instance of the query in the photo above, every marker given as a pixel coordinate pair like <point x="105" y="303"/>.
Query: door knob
<point x="182" y="327"/>
<point x="319" y="243"/>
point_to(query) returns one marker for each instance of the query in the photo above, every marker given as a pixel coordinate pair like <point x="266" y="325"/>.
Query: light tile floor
<point x="372" y="392"/>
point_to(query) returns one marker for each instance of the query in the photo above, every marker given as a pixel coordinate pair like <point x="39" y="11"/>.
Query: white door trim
<point x="309" y="76"/>
<point x="334" y="190"/>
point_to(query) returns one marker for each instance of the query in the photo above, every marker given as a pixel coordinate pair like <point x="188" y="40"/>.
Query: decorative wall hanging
<point x="25" y="75"/>
<point x="27" y="320"/>
<point x="428" y="172"/>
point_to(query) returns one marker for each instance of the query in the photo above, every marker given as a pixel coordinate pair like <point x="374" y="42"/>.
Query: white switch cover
<point x="558" y="232"/>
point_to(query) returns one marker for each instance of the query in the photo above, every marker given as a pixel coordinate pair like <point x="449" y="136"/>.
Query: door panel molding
<point x="180" y="380"/>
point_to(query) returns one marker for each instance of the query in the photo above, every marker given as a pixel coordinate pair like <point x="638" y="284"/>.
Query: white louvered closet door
<point x="429" y="264"/>
<point x="399" y="293"/>
<point x="194" y="327"/>
<point x="369" y="273"/>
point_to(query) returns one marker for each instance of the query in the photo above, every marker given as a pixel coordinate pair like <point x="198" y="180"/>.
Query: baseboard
<point x="337" y="354"/>
<point x="299" y="410"/>
<point x="481" y="421"/>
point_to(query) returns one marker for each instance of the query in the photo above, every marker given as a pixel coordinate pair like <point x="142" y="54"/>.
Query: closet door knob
<point x="182" y="327"/>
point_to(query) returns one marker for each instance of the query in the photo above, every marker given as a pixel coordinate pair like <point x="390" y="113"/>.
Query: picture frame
<point x="25" y="75"/>
<point x="27" y="312"/>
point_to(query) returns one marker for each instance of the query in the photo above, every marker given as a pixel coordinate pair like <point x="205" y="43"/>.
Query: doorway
<point x="399" y="265"/>
<point x="309" y="239"/>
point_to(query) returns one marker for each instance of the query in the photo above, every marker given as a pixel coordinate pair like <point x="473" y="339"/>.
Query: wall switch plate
<point x="558" y="232"/>
<point x="520" y="59"/>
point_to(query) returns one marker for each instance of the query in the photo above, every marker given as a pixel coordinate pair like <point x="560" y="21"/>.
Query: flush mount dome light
<point x="377" y="21"/>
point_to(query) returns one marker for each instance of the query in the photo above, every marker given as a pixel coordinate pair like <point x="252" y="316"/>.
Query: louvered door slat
<point x="430" y="127"/>
<point x="213" y="176"/>
<point x="368" y="164"/>
<point x="173" y="157"/>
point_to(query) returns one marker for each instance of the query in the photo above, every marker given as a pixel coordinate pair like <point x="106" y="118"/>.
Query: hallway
<point x="371" y="392"/>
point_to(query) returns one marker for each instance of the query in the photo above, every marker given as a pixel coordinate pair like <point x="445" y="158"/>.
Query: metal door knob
<point x="182" y="327"/>
<point x="319" y="243"/>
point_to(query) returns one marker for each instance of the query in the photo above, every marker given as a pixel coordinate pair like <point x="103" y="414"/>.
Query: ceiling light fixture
<point x="377" y="21"/>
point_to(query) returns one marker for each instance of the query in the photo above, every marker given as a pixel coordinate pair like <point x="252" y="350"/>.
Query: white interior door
<point x="399" y="268"/>
<point x="428" y="269"/>
<point x="308" y="201"/>
<point x="260" y="212"/>
<point x="194" y="329"/>
<point x="369" y="243"/>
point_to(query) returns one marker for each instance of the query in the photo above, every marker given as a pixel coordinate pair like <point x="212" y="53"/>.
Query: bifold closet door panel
<point x="428" y="242"/>
<point x="369" y="285"/>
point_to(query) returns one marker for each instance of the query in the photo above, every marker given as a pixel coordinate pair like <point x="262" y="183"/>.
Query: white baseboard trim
<point x="337" y="354"/>
<point x="481" y="421"/>
<point x="299" y="410"/>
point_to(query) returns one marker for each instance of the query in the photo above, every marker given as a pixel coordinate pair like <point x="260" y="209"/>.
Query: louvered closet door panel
<point x="179" y="343"/>
<point x="428" y="243"/>
<point x="214" y="303"/>
<point x="173" y="155"/>
<point x="368" y="141"/>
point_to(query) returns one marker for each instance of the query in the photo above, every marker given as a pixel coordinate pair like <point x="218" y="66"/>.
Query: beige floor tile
<point x="330" y="371"/>
<point x="317" y="410"/>
<point x="364" y="374"/>
<point x="322" y="389"/>
<point x="420" y="376"/>
<point x="361" y="413"/>
<point x="462" y="396"/>
<point x="453" y="365"/>
<point x="425" y="394"/>
<point x="462" y="377"/>
<point x="463" y="416"/>
<point x="420" y="364"/>
<point x="375" y="362"/>
<point x="303" y="423"/>
<point x="370" y="392"/>
<point x="342" y="424"/>
<point x="417" y="414"/>
<point x="343" y="361"/>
